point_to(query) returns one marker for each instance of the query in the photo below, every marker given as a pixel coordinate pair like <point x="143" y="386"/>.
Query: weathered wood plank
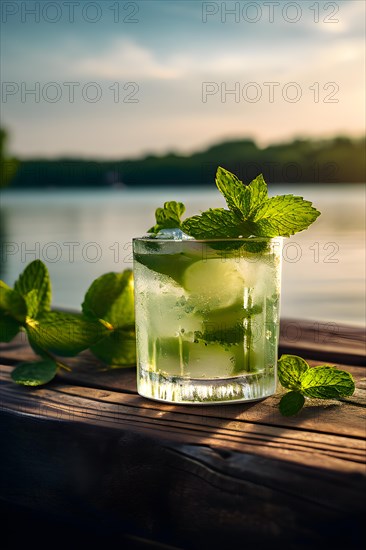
<point x="88" y="447"/>
<point x="324" y="341"/>
<point x="265" y="437"/>
<point x="191" y="494"/>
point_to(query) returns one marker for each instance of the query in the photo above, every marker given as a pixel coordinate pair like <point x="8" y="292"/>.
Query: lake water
<point x="83" y="234"/>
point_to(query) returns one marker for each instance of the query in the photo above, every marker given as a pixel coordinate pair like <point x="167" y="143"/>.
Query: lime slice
<point x="216" y="282"/>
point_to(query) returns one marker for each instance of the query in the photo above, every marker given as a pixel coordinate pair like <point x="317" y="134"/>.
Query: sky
<point x="114" y="80"/>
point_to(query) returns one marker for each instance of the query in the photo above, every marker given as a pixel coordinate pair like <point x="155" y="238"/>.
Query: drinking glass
<point x="207" y="318"/>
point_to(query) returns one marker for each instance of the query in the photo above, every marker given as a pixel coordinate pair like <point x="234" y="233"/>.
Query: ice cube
<point x="173" y="234"/>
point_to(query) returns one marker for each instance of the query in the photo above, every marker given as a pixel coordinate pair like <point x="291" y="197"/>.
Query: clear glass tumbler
<point x="207" y="319"/>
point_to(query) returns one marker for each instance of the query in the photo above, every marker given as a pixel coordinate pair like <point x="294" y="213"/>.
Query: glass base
<point x="214" y="391"/>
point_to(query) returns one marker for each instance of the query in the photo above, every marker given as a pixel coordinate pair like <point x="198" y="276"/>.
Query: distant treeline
<point x="338" y="160"/>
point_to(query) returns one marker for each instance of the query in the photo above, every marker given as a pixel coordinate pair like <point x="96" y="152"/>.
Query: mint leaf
<point x="326" y="382"/>
<point x="9" y="327"/>
<point x="252" y="212"/>
<point x="233" y="190"/>
<point x="118" y="349"/>
<point x="168" y="217"/>
<point x="36" y="277"/>
<point x="258" y="193"/>
<point x="215" y="223"/>
<point x="36" y="373"/>
<point x="64" y="333"/>
<point x="291" y="403"/>
<point x="32" y="301"/>
<point x="12" y="303"/>
<point x="111" y="298"/>
<point x="241" y="199"/>
<point x="291" y="368"/>
<point x="176" y="209"/>
<point x="282" y="216"/>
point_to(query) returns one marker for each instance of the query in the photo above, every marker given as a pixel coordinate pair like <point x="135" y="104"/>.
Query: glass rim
<point x="222" y="239"/>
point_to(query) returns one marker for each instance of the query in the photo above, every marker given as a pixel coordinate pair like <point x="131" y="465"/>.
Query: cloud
<point x="127" y="59"/>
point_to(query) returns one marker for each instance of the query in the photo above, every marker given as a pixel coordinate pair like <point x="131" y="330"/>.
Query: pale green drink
<point x="207" y="318"/>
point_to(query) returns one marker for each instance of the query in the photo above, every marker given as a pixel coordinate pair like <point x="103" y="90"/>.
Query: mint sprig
<point x="322" y="382"/>
<point x="106" y="326"/>
<point x="168" y="217"/>
<point x="250" y="212"/>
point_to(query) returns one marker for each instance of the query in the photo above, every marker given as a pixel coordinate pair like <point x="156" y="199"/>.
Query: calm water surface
<point x="83" y="234"/>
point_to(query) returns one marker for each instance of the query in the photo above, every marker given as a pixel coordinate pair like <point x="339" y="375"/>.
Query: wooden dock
<point x="86" y="456"/>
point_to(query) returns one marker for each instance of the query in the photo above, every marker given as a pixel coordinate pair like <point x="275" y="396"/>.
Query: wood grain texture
<point x="87" y="449"/>
<point x="324" y="341"/>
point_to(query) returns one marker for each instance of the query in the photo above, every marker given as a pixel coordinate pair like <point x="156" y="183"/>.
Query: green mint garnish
<point x="291" y="403"/>
<point x="35" y="278"/>
<point x="241" y="199"/>
<point x="326" y="382"/>
<point x="110" y="297"/>
<point x="290" y="370"/>
<point x="168" y="217"/>
<point x="215" y="223"/>
<point x="13" y="312"/>
<point x="323" y="382"/>
<point x="64" y="334"/>
<point x="283" y="215"/>
<point x="35" y="373"/>
<point x="32" y="302"/>
<point x="12" y="303"/>
<point x="250" y="213"/>
<point x="106" y="327"/>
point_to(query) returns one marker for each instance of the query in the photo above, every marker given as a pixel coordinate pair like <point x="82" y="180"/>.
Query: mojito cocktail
<point x="207" y="318"/>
